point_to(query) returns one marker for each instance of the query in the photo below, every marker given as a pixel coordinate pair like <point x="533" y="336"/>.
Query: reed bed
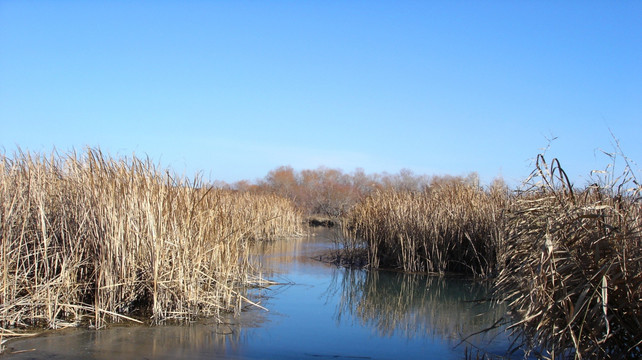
<point x="573" y="267"/>
<point x="453" y="226"/>
<point x="92" y="239"/>
<point x="567" y="262"/>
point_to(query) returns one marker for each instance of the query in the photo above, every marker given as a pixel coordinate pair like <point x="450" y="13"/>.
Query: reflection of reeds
<point x="95" y="238"/>
<point x="196" y="340"/>
<point x="415" y="305"/>
<point x="448" y="227"/>
<point x="574" y="267"/>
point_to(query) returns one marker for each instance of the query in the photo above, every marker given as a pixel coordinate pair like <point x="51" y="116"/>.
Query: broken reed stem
<point x="89" y="238"/>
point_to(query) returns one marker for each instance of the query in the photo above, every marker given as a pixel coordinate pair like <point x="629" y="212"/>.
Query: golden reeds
<point x="88" y="238"/>
<point x="573" y="273"/>
<point x="568" y="262"/>
<point x="448" y="227"/>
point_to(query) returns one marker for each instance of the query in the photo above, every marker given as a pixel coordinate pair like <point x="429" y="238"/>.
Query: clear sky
<point x="237" y="88"/>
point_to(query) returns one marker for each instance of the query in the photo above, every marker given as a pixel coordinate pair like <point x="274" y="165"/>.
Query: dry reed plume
<point x="448" y="227"/>
<point x="92" y="239"/>
<point x="573" y="274"/>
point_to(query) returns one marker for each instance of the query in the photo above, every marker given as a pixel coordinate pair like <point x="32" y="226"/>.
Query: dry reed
<point x="92" y="239"/>
<point x="568" y="263"/>
<point x="448" y="227"/>
<point x="573" y="273"/>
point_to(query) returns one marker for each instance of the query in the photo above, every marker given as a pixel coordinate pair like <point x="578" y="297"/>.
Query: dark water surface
<point x="322" y="312"/>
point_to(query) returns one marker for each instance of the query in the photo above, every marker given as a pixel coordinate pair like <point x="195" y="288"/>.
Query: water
<point x="320" y="312"/>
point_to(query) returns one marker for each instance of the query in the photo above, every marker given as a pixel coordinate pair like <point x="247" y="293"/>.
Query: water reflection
<point x="199" y="340"/>
<point x="278" y="258"/>
<point x="322" y="312"/>
<point x="413" y="305"/>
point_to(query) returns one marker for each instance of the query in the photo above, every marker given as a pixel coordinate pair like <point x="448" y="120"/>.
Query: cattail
<point x="449" y="227"/>
<point x="93" y="239"/>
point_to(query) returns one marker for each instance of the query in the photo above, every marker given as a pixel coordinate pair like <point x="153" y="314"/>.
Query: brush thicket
<point x="452" y="226"/>
<point x="88" y="238"/>
<point x="573" y="273"/>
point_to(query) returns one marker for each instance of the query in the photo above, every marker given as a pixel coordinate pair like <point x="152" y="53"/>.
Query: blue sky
<point x="237" y="88"/>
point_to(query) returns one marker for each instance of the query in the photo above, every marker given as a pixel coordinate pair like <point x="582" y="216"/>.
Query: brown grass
<point x="88" y="238"/>
<point x="452" y="226"/>
<point x="568" y="262"/>
<point x="573" y="274"/>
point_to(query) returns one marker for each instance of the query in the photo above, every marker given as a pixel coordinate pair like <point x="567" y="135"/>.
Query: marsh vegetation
<point x="448" y="227"/>
<point x="567" y="261"/>
<point x="90" y="239"/>
<point x="572" y="266"/>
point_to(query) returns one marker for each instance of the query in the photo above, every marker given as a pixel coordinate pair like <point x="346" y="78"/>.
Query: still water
<point x="318" y="311"/>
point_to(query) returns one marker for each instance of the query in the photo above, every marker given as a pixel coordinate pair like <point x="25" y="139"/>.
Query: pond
<point x="317" y="311"/>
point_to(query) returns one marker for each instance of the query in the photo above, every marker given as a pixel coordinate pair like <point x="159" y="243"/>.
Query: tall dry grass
<point x="568" y="262"/>
<point x="89" y="238"/>
<point x="452" y="226"/>
<point x="573" y="273"/>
